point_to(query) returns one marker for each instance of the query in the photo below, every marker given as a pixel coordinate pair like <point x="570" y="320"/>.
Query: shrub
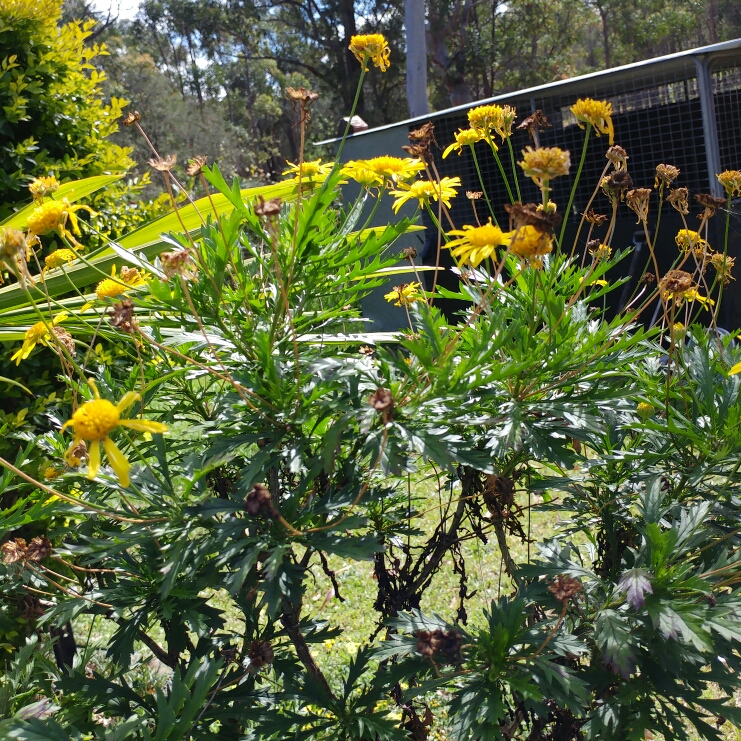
<point x="250" y="437"/>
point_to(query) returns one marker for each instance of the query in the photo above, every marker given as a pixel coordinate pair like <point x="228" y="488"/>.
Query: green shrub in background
<point x="248" y="440"/>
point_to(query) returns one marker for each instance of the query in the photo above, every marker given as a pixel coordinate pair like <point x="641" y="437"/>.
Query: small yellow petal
<point x="735" y="370"/>
<point x="144" y="425"/>
<point x="118" y="461"/>
<point x="127" y="400"/>
<point x="93" y="462"/>
<point x="94" y="387"/>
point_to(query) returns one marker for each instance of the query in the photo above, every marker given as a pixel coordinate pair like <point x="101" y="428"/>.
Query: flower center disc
<point x="95" y="419"/>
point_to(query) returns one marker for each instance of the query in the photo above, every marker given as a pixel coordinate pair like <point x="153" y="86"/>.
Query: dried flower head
<point x="563" y="588"/>
<point x="270" y="209"/>
<point x="665" y="175"/>
<point x="258" y="501"/>
<point x="594" y="218"/>
<point x="64" y="338"/>
<point x="131" y="118"/>
<point x="14" y="551"/>
<point x="617" y="156"/>
<point x="122" y="316"/>
<point x="409" y="253"/>
<point x="710" y="204"/>
<point x="76" y="455"/>
<point x="229" y="654"/>
<point x="421" y="140"/>
<point x="163" y="164"/>
<point x="382" y="401"/>
<point x="535" y="123"/>
<point x="260" y="654"/>
<point x="679" y="198"/>
<point x="731" y="182"/>
<point x="43" y="186"/>
<point x="544" y="164"/>
<point x="446" y="642"/>
<point x="723" y="265"/>
<point x="195" y="165"/>
<point x="676" y="284"/>
<point x="599" y="251"/>
<point x="616" y="183"/>
<point x="15" y="251"/>
<point x="532" y="214"/>
<point x="474" y="195"/>
<point x="371" y="47"/>
<point x="366" y="350"/>
<point x="301" y="95"/>
<point x="179" y="262"/>
<point x="648" y="279"/>
<point x="597" y="113"/>
<point x="38" y="549"/>
<point x="637" y="200"/>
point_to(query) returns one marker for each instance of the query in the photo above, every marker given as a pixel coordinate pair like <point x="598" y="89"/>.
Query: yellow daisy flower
<point x="358" y="171"/>
<point x="425" y="191"/>
<point x="688" y="240"/>
<point x="545" y="163"/>
<point x="731" y="182"/>
<point x="405" y="294"/>
<point x="92" y="423"/>
<point x="705" y="301"/>
<point x="52" y="216"/>
<point x="58" y="258"/>
<point x="308" y="170"/>
<point x="486" y="118"/>
<point x="371" y="46"/>
<point x="38" y="334"/>
<point x="529" y="244"/>
<point x="473" y="244"/>
<point x="598" y="113"/>
<point x="392" y="168"/>
<point x="464" y="137"/>
<point x="43" y="186"/>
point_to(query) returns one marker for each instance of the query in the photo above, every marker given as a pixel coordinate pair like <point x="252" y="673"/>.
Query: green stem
<point x="501" y="168"/>
<point x="363" y="69"/>
<point x="573" y="187"/>
<point x="481" y="182"/>
<point x="514" y="168"/>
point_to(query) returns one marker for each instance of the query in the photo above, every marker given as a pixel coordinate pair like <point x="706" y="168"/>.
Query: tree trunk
<point x="414" y="22"/>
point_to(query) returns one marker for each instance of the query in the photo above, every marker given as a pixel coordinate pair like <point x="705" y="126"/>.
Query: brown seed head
<point x="38" y="549"/>
<point x="563" y="588"/>
<point x="710" y="204"/>
<point x="163" y="164"/>
<point x="593" y="217"/>
<point x="424" y="135"/>
<point x="195" y="165"/>
<point x="534" y="123"/>
<point x="416" y="150"/>
<point x="301" y="94"/>
<point x="723" y="264"/>
<point x="618" y="157"/>
<point x="122" y="316"/>
<point x="637" y="200"/>
<point x="14" y="551"/>
<point x="446" y="642"/>
<point x="648" y="279"/>
<point x="676" y="283"/>
<point x="665" y="175"/>
<point x="531" y="214"/>
<point x="426" y="642"/>
<point x="131" y="118"/>
<point x="229" y="655"/>
<point x="177" y="263"/>
<point x="409" y="253"/>
<point x="382" y="401"/>
<point x="366" y="350"/>
<point x="12" y="242"/>
<point x="64" y="338"/>
<point x="678" y="197"/>
<point x="474" y="195"/>
<point x="260" y="654"/>
<point x="258" y="501"/>
<point x="77" y="455"/>
<point x="616" y="183"/>
<point x="269" y="210"/>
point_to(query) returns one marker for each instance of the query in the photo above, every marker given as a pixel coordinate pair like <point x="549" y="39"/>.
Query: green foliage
<point x="290" y="449"/>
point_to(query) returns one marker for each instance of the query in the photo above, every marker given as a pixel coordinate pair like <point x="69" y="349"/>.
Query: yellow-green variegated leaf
<point x="383" y="272"/>
<point x="72" y="191"/>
